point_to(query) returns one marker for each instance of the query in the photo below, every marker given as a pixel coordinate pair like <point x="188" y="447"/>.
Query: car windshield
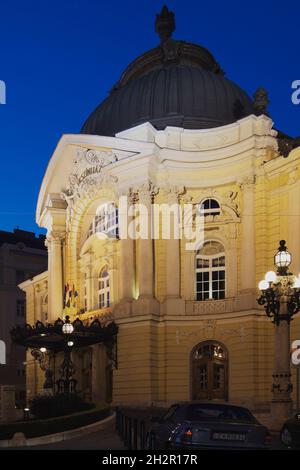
<point x="218" y="412"/>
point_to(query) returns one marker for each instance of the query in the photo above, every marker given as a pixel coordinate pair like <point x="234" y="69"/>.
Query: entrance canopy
<point x="52" y="337"/>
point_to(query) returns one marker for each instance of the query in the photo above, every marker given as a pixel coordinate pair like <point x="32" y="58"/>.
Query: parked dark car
<point x="198" y="425"/>
<point x="290" y="432"/>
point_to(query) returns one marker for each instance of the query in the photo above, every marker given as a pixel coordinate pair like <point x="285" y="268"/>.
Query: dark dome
<point x="175" y="84"/>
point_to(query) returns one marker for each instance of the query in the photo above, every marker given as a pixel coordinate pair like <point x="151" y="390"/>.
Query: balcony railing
<point x="98" y="314"/>
<point x="228" y="305"/>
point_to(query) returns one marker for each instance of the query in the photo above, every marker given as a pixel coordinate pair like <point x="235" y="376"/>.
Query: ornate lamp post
<point x="280" y="296"/>
<point x="66" y="383"/>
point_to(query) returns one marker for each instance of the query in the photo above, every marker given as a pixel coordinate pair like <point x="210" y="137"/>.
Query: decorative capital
<point x="174" y="193"/>
<point x="55" y="237"/>
<point x="144" y="193"/>
<point x="247" y="182"/>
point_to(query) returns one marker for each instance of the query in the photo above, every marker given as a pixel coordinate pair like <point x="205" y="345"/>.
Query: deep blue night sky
<point x="60" y="58"/>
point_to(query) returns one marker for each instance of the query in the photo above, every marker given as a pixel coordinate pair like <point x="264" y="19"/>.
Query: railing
<point x="227" y="305"/>
<point x="131" y="429"/>
<point x="100" y="314"/>
<point x="193" y="307"/>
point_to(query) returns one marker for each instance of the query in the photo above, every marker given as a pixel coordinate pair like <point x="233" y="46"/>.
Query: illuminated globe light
<point x="70" y="344"/>
<point x="270" y="276"/>
<point x="67" y="328"/>
<point x="282" y="258"/>
<point x="43" y="350"/>
<point x="263" y="285"/>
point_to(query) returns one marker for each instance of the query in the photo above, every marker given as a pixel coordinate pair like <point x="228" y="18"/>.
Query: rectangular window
<point x="102" y="301"/>
<point x="210" y="278"/>
<point x="21" y="308"/>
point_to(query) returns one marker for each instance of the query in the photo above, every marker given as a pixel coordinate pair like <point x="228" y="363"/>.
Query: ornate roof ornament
<point x="261" y="101"/>
<point x="286" y="144"/>
<point x="175" y="75"/>
<point x="165" y="24"/>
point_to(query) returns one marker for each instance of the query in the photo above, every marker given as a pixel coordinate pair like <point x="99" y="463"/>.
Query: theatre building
<point x="174" y="129"/>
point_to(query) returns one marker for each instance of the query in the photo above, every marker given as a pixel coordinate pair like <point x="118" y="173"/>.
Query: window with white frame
<point x="104" y="288"/>
<point x="106" y="221"/>
<point x="210" y="272"/>
<point x="210" y="207"/>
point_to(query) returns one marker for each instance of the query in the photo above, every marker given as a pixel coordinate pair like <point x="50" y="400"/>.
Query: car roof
<point x="208" y="402"/>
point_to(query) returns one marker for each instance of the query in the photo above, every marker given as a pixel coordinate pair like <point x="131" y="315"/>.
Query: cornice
<point x="281" y="165"/>
<point x="183" y="151"/>
<point x="176" y="138"/>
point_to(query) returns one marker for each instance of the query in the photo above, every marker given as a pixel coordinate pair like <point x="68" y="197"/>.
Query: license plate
<point x="228" y="436"/>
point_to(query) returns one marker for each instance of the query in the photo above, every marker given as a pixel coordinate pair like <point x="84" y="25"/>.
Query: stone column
<point x="145" y="245"/>
<point x="89" y="285"/>
<point x="247" y="255"/>
<point x="145" y="253"/>
<point x="127" y="268"/>
<point x="124" y="286"/>
<point x="173" y="303"/>
<point x="173" y="247"/>
<point x="55" y="275"/>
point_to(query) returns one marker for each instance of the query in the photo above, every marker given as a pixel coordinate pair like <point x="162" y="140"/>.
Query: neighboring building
<point x="22" y="256"/>
<point x="173" y="129"/>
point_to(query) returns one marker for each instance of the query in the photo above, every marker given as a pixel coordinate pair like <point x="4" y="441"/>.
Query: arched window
<point x="209" y="371"/>
<point x="210" y="272"/>
<point x="106" y="221"/>
<point x="210" y="207"/>
<point x="103" y="289"/>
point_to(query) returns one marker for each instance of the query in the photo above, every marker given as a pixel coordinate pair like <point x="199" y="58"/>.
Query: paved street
<point x="105" y="439"/>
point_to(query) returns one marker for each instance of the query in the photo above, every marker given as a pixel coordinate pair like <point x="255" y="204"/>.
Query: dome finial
<point x="165" y="24"/>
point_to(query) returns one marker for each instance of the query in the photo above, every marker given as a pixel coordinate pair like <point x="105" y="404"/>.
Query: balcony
<point x="102" y="314"/>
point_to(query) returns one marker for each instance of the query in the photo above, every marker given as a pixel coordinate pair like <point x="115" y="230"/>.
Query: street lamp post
<point x="280" y="296"/>
<point x="66" y="383"/>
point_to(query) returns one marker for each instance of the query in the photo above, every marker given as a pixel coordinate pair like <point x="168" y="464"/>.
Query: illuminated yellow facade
<point x="173" y="130"/>
<point x="160" y="322"/>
